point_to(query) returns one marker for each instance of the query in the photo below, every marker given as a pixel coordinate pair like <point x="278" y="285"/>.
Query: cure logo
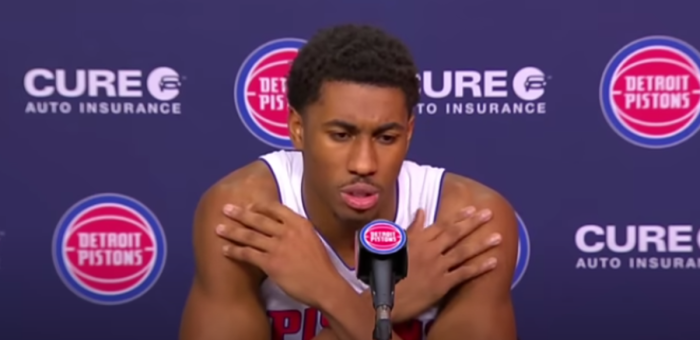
<point x="109" y="249"/>
<point x="260" y="92"/>
<point x="650" y="92"/>
<point x="383" y="237"/>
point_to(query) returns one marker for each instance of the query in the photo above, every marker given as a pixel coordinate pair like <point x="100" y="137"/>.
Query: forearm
<point x="350" y="316"/>
<point x="326" y="334"/>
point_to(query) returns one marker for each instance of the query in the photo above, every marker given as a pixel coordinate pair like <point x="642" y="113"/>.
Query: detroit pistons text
<point x="307" y="324"/>
<point x="109" y="249"/>
<point x="657" y="92"/>
<point x="382" y="236"/>
<point x="639" y="247"/>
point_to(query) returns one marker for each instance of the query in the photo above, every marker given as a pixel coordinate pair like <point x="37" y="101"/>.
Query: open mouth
<point x="360" y="196"/>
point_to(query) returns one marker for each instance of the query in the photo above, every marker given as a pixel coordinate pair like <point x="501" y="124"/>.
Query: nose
<point x="363" y="158"/>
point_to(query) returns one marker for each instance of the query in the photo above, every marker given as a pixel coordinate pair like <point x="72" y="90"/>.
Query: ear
<point x="409" y="129"/>
<point x="296" y="128"/>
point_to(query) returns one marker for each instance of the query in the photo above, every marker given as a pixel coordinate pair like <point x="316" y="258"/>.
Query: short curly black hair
<point x="354" y="53"/>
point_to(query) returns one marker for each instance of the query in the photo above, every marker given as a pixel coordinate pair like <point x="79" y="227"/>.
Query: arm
<point x="481" y="309"/>
<point x="224" y="303"/>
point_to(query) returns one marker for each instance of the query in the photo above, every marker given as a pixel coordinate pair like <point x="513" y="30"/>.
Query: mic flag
<point x="382" y="240"/>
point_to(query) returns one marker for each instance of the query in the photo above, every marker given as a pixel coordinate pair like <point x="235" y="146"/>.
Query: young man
<point x="275" y="240"/>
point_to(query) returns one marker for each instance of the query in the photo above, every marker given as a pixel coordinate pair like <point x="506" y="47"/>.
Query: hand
<point x="285" y="246"/>
<point x="438" y="260"/>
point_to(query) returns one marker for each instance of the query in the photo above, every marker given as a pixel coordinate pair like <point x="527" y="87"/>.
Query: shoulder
<point x="253" y="183"/>
<point x="482" y="306"/>
<point x="249" y="184"/>
<point x="458" y="192"/>
<point x="224" y="290"/>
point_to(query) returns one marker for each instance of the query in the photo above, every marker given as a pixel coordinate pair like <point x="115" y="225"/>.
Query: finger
<point x="418" y="221"/>
<point x="246" y="237"/>
<point x="471" y="271"/>
<point x="456" y="232"/>
<point x="275" y="210"/>
<point x="434" y="231"/>
<point x="254" y="220"/>
<point x="245" y="254"/>
<point x="463" y="214"/>
<point x="468" y="249"/>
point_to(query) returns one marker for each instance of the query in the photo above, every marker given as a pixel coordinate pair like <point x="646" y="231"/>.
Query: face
<point x="354" y="140"/>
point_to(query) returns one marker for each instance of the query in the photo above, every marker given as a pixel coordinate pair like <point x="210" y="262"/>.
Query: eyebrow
<point x="354" y="129"/>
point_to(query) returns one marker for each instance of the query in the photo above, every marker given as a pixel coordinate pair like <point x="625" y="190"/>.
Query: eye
<point x="340" y="136"/>
<point x="387" y="139"/>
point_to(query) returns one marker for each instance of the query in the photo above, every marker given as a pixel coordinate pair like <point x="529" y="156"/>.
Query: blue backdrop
<point x="115" y="116"/>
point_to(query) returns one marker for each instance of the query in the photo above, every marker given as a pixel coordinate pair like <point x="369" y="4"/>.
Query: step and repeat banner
<point x="115" y="116"/>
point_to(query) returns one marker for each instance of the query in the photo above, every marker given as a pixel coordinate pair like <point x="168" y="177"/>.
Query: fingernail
<point x="495" y="239"/>
<point x="485" y="215"/>
<point x="226" y="248"/>
<point x="469" y="211"/>
<point x="490" y="263"/>
<point x="231" y="209"/>
<point x="220" y="229"/>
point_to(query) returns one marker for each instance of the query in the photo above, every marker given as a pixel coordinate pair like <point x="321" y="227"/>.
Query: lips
<point x="360" y="196"/>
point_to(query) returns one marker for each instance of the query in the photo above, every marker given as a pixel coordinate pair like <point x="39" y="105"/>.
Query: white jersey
<point x="419" y="187"/>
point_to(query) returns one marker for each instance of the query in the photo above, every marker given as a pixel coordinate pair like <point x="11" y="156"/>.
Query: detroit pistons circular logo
<point x="650" y="92"/>
<point x="383" y="237"/>
<point x="260" y="92"/>
<point x="523" y="258"/>
<point x="109" y="249"/>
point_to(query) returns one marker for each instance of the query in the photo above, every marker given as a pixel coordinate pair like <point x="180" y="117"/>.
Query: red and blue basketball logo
<point x="260" y="92"/>
<point x="523" y="252"/>
<point x="650" y="92"/>
<point x="109" y="249"/>
<point x="383" y="237"/>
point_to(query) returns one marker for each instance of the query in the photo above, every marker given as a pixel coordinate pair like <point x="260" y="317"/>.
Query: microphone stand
<point x="381" y="263"/>
<point x="382" y="285"/>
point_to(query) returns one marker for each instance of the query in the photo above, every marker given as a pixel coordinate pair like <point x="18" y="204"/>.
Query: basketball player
<point x="275" y="240"/>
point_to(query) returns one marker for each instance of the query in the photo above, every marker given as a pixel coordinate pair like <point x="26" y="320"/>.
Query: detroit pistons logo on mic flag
<point x="109" y="249"/>
<point x="383" y="237"/>
<point x="261" y="91"/>
<point x="650" y="92"/>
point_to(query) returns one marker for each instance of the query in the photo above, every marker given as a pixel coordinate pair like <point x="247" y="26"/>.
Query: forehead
<point x="360" y="103"/>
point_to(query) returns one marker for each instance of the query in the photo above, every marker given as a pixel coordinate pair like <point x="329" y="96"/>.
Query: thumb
<point x="418" y="221"/>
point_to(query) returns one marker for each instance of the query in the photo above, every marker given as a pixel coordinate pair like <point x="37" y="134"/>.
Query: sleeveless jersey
<point x="419" y="186"/>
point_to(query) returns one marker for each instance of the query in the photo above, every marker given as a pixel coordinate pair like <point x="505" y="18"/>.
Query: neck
<point x="340" y="234"/>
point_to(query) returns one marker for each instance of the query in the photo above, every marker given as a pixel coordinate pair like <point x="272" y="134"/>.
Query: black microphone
<point x="382" y="261"/>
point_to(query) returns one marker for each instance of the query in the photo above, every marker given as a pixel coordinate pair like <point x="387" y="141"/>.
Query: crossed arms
<point x="224" y="301"/>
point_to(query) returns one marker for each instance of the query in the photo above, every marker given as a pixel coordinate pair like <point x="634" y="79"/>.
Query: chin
<point x="355" y="217"/>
